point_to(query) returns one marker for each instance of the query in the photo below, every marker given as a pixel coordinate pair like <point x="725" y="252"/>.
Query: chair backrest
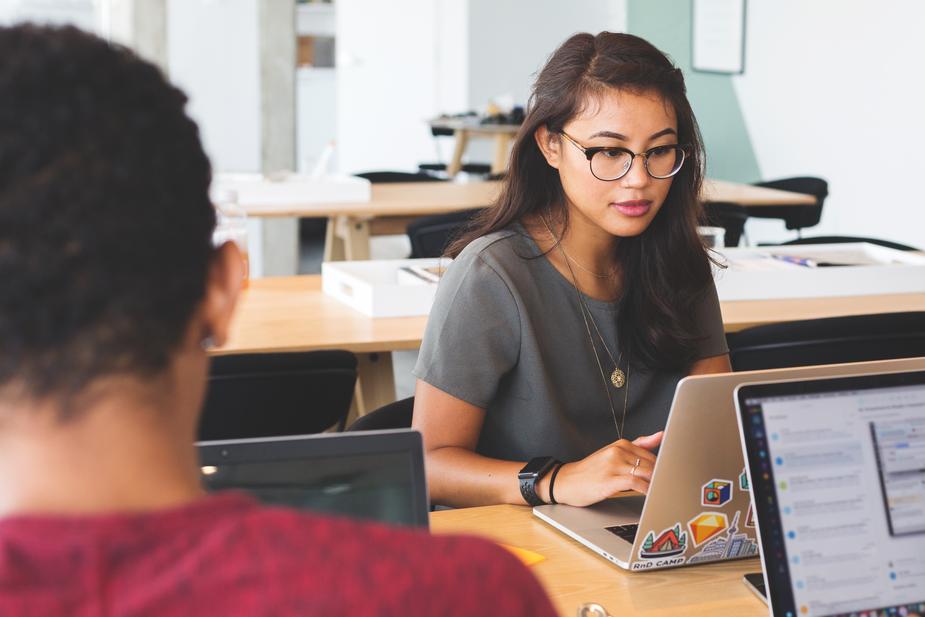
<point x="795" y="217"/>
<point x="263" y="395"/>
<point x="731" y="217"/>
<point x="386" y="177"/>
<point x="393" y="415"/>
<point x="847" y="239"/>
<point x="856" y="338"/>
<point x="430" y="235"/>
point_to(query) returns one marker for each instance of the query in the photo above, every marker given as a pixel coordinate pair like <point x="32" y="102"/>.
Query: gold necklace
<point x="575" y="261"/>
<point x="618" y="378"/>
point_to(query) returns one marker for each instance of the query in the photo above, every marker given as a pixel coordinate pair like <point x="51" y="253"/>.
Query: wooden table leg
<point x="346" y="239"/>
<point x="375" y="382"/>
<point x="502" y="152"/>
<point x="356" y="239"/>
<point x="333" y="243"/>
<point x="455" y="164"/>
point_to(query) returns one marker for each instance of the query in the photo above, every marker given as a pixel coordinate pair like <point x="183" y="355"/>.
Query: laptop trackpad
<point x="620" y="511"/>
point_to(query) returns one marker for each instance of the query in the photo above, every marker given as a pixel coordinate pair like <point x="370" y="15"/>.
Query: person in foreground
<point x="580" y="298"/>
<point x="111" y="293"/>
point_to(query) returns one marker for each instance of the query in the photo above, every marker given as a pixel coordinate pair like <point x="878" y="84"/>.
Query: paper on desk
<point x="528" y="558"/>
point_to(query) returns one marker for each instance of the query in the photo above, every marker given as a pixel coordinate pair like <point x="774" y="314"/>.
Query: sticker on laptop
<point x="743" y="482"/>
<point x="750" y="517"/>
<point x="662" y="550"/>
<point x="716" y="493"/>
<point x="730" y="545"/>
<point x="706" y="526"/>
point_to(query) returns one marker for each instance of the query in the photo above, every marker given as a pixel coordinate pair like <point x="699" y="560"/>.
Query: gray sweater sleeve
<point x="473" y="334"/>
<point x="710" y="319"/>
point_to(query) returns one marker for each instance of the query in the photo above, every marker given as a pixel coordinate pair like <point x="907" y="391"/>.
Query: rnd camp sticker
<point x="662" y="550"/>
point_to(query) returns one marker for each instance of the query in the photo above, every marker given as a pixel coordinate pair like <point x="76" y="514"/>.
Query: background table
<point x="572" y="574"/>
<point x="281" y="314"/>
<point x="393" y="205"/>
<point x="465" y="129"/>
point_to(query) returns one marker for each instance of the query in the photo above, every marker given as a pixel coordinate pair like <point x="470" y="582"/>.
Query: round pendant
<point x="618" y="378"/>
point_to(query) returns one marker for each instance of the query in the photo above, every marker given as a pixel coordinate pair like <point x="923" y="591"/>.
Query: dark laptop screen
<point x="838" y="472"/>
<point x="376" y="476"/>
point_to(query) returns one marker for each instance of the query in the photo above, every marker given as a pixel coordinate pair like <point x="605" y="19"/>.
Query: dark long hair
<point x="666" y="269"/>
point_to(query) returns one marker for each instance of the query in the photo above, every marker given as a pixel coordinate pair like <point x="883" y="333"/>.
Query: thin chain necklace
<point x="618" y="378"/>
<point x="575" y="261"/>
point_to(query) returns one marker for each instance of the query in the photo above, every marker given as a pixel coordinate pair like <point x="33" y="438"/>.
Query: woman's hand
<point x="611" y="470"/>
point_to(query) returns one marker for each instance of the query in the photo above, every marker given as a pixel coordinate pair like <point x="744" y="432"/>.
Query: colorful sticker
<point x="743" y="481"/>
<point x="706" y="526"/>
<point x="729" y="546"/>
<point x="716" y="493"/>
<point x="671" y="542"/>
<point x="750" y="517"/>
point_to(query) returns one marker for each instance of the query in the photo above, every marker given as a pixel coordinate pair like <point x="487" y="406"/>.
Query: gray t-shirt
<point x="506" y="334"/>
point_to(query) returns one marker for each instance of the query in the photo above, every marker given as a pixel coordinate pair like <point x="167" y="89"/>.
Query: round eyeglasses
<point x="613" y="162"/>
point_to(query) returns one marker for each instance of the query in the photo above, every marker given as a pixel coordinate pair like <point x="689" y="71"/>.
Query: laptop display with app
<point x="837" y="469"/>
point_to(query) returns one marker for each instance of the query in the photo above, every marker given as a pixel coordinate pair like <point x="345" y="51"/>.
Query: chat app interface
<point x="849" y="473"/>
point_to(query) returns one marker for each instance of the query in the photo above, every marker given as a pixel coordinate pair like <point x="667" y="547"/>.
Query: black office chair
<point x="731" y="217"/>
<point x="393" y="415"/>
<point x="430" y="235"/>
<point x="385" y="177"/>
<point x="795" y="217"/>
<point x="440" y="166"/>
<point x="846" y="239"/>
<point x="261" y="395"/>
<point x="856" y="338"/>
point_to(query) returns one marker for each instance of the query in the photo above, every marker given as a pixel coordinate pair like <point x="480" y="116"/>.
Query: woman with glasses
<point x="580" y="298"/>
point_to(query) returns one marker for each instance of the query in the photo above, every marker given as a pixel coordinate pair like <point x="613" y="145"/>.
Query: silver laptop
<point x="372" y="475"/>
<point x="698" y="508"/>
<point x="838" y="471"/>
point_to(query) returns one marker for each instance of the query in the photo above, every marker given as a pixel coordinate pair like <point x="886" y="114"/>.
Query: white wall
<point x="510" y="40"/>
<point x="836" y="89"/>
<point x="80" y="13"/>
<point x="386" y="83"/>
<point x="402" y="62"/>
<point x="214" y="57"/>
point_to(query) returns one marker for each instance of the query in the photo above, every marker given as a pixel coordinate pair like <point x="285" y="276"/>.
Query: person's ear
<point x="226" y="276"/>
<point x="550" y="145"/>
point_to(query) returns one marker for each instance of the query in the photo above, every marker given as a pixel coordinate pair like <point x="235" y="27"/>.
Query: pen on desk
<point x="793" y="259"/>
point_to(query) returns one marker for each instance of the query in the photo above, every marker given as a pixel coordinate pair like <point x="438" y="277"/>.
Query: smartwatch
<point x="530" y="474"/>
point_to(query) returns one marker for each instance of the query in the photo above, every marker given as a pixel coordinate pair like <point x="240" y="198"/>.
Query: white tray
<point x="378" y="288"/>
<point x="255" y="190"/>
<point x="754" y="274"/>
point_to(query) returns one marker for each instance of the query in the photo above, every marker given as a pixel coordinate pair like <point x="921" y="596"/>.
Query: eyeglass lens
<point x="660" y="162"/>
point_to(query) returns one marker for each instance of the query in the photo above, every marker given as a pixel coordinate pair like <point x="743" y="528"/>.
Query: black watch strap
<point x="528" y="490"/>
<point x="532" y="473"/>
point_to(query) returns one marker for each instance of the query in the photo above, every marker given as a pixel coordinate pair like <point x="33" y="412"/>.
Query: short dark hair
<point x="105" y="217"/>
<point x="666" y="268"/>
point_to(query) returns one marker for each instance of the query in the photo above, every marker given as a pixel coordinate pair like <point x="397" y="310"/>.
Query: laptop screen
<point x="838" y="474"/>
<point x="373" y="475"/>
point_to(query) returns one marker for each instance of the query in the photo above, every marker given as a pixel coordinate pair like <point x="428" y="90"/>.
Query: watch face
<point x="534" y="467"/>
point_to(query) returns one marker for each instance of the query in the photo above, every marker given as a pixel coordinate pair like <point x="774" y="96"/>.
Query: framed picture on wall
<point x="718" y="36"/>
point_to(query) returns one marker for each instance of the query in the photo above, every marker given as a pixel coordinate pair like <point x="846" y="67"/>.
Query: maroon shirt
<point x="226" y="555"/>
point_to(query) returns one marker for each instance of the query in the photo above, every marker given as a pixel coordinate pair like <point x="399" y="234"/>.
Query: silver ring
<point x="635" y="467"/>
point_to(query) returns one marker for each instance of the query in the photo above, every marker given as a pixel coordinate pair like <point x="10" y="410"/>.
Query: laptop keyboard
<point x="627" y="532"/>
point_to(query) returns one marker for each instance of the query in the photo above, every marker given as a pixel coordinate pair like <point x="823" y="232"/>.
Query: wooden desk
<point x="393" y="205"/>
<point x="288" y="314"/>
<point x="465" y="130"/>
<point x="282" y="314"/>
<point x="573" y="575"/>
<point x="751" y="196"/>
